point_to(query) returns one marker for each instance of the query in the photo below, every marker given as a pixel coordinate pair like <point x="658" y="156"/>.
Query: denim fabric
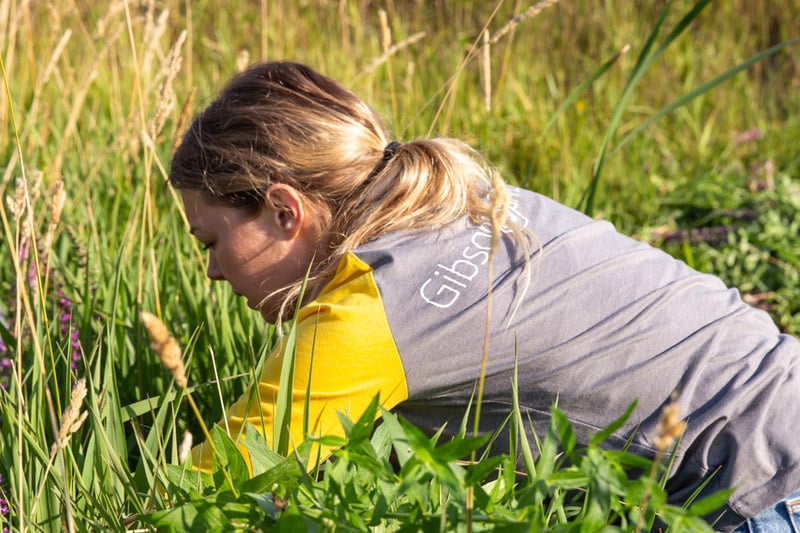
<point x="783" y="517"/>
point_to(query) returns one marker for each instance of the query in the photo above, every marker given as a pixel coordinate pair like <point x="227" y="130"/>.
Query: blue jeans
<point x="784" y="517"/>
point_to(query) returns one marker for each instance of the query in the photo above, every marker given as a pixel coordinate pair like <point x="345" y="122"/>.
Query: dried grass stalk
<point x="486" y="71"/>
<point x="165" y="94"/>
<point x="153" y="31"/>
<point x="528" y="13"/>
<point x="405" y="43"/>
<point x="186" y="111"/>
<point x="386" y="32"/>
<point x="499" y="209"/>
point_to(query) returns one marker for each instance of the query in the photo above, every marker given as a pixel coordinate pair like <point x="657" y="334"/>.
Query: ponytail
<point x="282" y="122"/>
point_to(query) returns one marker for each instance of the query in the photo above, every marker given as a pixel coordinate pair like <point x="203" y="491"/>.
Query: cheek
<point x="249" y="262"/>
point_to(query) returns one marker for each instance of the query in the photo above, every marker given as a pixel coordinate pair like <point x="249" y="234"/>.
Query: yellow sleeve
<point x="344" y="347"/>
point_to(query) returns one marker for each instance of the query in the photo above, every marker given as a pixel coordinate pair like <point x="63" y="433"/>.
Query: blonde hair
<point x="282" y="122"/>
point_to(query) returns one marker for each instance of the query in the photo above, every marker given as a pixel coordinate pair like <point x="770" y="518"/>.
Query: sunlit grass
<point x="89" y="86"/>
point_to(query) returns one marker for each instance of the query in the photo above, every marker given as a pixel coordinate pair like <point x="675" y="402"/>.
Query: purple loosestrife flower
<point x="62" y="309"/>
<point x="5" y="377"/>
<point x="4" y="510"/>
<point x="753" y="134"/>
<point x="64" y="317"/>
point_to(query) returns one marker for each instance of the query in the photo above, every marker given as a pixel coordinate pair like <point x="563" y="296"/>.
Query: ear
<point x="285" y="207"/>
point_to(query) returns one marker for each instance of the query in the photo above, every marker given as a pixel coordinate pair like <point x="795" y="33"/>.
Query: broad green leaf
<point x="228" y="459"/>
<point x="395" y="431"/>
<point x="709" y="504"/>
<point x="262" y="458"/>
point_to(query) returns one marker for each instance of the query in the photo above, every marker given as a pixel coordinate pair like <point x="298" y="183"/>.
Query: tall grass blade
<point x="576" y="93"/>
<point x="704" y="88"/>
<point x="283" y="405"/>
<point x="519" y="426"/>
<point x="644" y="61"/>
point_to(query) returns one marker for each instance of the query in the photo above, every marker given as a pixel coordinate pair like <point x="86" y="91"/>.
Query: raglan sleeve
<point x="345" y="356"/>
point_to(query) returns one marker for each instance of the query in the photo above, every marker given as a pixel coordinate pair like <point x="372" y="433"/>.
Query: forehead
<point x="207" y="214"/>
<point x="202" y="212"/>
<point x="194" y="203"/>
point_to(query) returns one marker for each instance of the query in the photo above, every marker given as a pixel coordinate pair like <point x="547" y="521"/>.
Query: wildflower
<point x="165" y="346"/>
<point x="64" y="318"/>
<point x="753" y="134"/>
<point x="4" y="509"/>
<point x="73" y="418"/>
<point x="5" y="372"/>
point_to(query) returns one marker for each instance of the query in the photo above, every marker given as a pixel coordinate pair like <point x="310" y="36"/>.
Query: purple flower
<point x="3" y="501"/>
<point x="5" y="379"/>
<point x="753" y="134"/>
<point x="64" y="319"/>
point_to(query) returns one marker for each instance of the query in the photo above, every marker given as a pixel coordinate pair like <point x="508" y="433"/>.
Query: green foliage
<point x="394" y="478"/>
<point x="83" y="84"/>
<point x="744" y="229"/>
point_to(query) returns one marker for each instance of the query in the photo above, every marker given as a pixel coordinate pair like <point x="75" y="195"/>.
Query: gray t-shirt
<point x="605" y="320"/>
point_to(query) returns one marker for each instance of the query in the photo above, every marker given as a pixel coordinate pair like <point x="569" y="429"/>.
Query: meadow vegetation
<point x="95" y="97"/>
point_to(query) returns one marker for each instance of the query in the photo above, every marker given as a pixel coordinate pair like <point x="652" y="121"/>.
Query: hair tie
<point x="390" y="150"/>
<point x="388" y="154"/>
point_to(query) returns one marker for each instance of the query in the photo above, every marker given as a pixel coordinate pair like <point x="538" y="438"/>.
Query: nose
<point x="213" y="271"/>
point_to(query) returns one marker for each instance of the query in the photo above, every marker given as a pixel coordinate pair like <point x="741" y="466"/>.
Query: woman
<point x="286" y="169"/>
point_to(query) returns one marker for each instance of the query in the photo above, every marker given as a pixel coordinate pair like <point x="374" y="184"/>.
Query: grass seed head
<point x="166" y="347"/>
<point x="242" y="60"/>
<point x="166" y="99"/>
<point x="386" y="32"/>
<point x="186" y="446"/>
<point x="59" y="198"/>
<point x="73" y="418"/>
<point x="16" y="203"/>
<point x="670" y="426"/>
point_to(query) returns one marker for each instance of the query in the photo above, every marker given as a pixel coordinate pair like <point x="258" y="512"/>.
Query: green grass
<point x="83" y="114"/>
